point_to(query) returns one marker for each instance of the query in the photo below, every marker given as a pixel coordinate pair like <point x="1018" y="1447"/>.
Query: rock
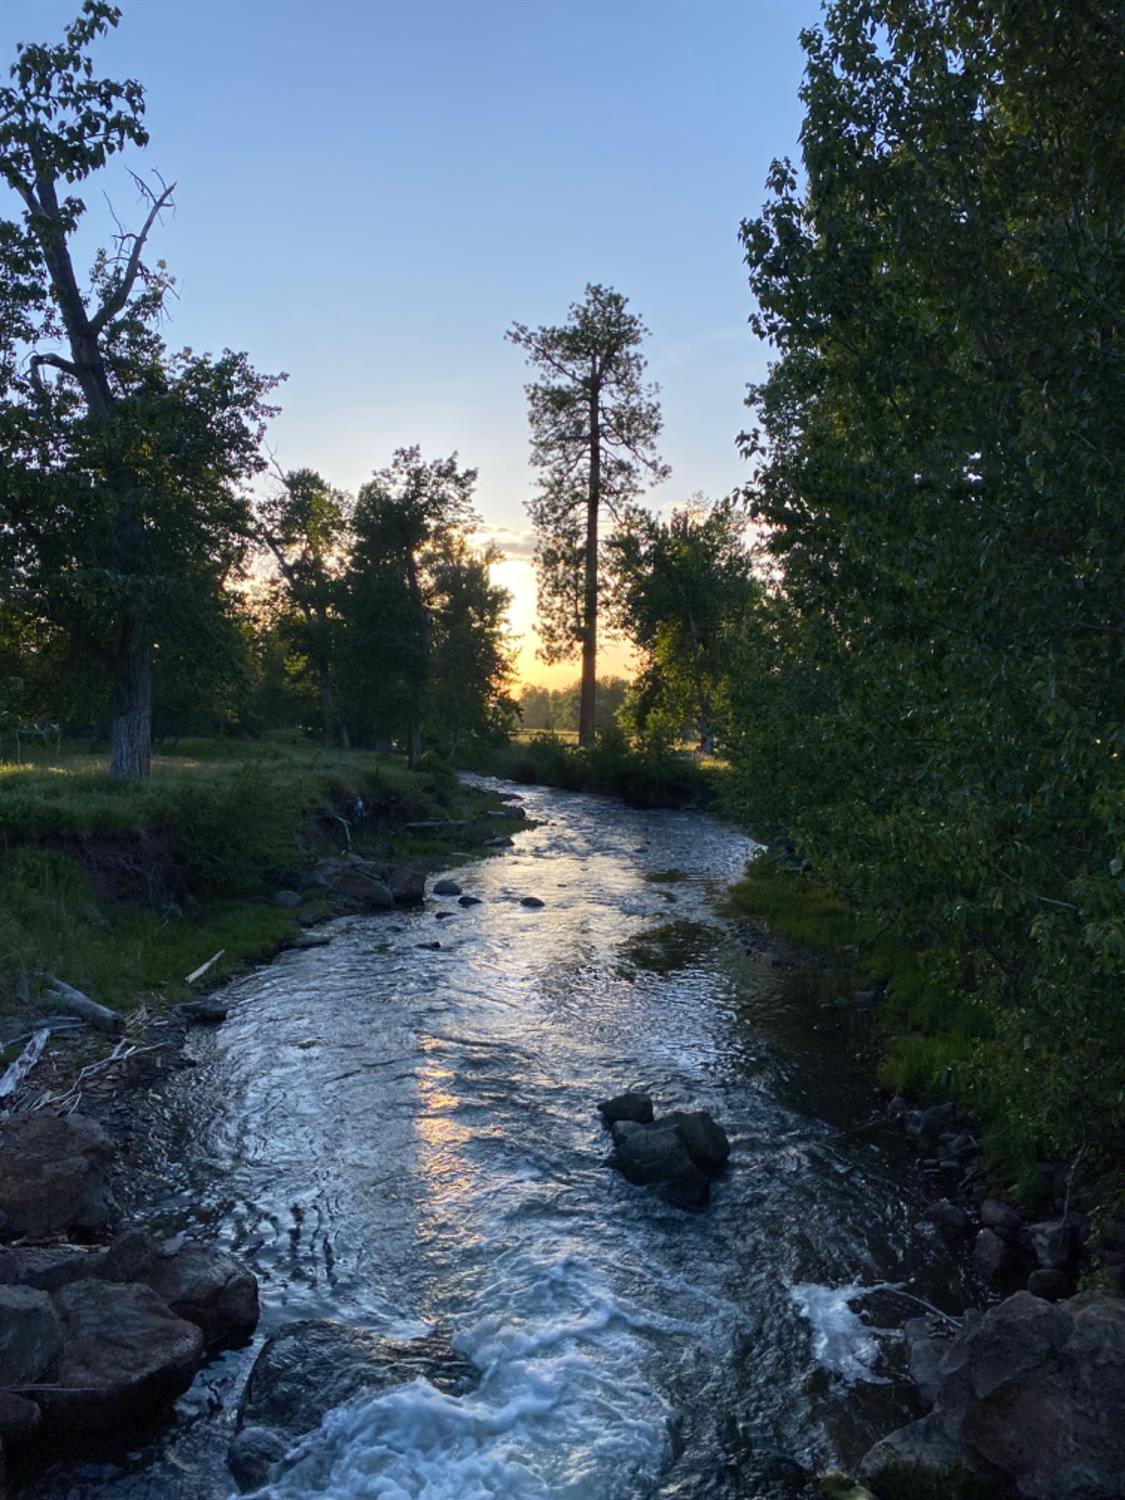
<point x="305" y="940"/>
<point x="629" y="1106"/>
<point x="360" y="879"/>
<point x="992" y="1256"/>
<point x="898" y="1107"/>
<point x="199" y="1284"/>
<point x="446" y="887"/>
<point x="924" y="1445"/>
<point x="1000" y="1217"/>
<point x="949" y="1218"/>
<point x="407" y="884"/>
<point x="18" y="1416"/>
<point x="306" y="1368"/>
<point x="30" y="1335"/>
<point x="54" y="1174"/>
<point x="837" y="1486"/>
<point x="429" y="947"/>
<point x="655" y="1155"/>
<point x="1054" y="1244"/>
<point x="287" y="898"/>
<point x="125" y="1353"/>
<point x="531" y="901"/>
<point x="704" y="1140"/>
<point x="48" y="1267"/>
<point x="1037" y="1390"/>
<point x="206" y="1011"/>
<point x="1051" y="1285"/>
<point x="498" y="841"/>
<point x="252" y="1454"/>
<point x="924" y="1355"/>
<point x="468" y="901"/>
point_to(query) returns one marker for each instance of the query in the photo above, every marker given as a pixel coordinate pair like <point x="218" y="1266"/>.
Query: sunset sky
<point x="368" y="194"/>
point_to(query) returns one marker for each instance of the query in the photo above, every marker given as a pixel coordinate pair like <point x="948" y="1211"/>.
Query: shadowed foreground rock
<point x="1032" y="1393"/>
<point x="307" y="1368"/>
<point x="54" y="1175"/>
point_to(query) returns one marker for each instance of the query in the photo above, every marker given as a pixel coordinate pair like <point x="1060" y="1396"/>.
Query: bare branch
<point x="120" y="295"/>
<point x="56" y="362"/>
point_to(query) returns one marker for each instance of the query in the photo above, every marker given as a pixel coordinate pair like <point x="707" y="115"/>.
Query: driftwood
<point x="81" y="1005"/>
<point x="16" y="1072"/>
<point x="199" y="973"/>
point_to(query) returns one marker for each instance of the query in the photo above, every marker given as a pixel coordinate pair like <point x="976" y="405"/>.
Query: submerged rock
<point x="533" y="902"/>
<point x="468" y="901"/>
<point x="446" y="887"/>
<point x="307" y="1368"/>
<point x="54" y="1174"/>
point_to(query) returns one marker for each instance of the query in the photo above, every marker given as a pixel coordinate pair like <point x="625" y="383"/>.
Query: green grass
<point x="123" y="888"/>
<point x="638" y="776"/>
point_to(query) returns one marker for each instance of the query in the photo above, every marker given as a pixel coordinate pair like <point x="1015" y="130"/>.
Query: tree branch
<point x="117" y="299"/>
<point x="56" y="362"/>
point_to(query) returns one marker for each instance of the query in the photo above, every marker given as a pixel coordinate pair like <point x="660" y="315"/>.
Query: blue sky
<point x="370" y="193"/>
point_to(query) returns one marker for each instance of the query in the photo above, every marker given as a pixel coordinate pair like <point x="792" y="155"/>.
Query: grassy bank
<point x="639" y="776"/>
<point x="123" y="888"/>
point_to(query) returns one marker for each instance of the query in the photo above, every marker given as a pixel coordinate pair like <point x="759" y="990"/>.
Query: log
<point x="16" y="1072"/>
<point x="81" y="1005"/>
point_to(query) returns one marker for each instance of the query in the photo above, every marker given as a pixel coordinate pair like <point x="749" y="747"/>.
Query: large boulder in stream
<point x="54" y="1175"/>
<point x="307" y="1368"/>
<point x="1031" y="1392"/>
<point x="676" y="1153"/>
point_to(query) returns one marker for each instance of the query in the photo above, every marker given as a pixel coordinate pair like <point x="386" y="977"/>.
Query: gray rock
<point x="1037" y="1390"/>
<point x="407" y="884"/>
<point x="705" y="1141"/>
<point x="1001" y="1217"/>
<point x="924" y="1356"/>
<point x="54" y="1174"/>
<point x="125" y="1354"/>
<point x="253" y="1453"/>
<point x="446" y="887"/>
<point x="629" y="1106"/>
<point x="48" y="1267"/>
<point x="30" y="1335"/>
<point x="532" y="901"/>
<point x="468" y="901"/>
<point x="655" y="1155"/>
<point x="199" y="1284"/>
<point x="18" y="1416"/>
<point x="1054" y="1244"/>
<point x="305" y="940"/>
<point x="287" y="898"/>
<point x="1051" y="1285"/>
<point x="951" y="1219"/>
<point x="992" y="1256"/>
<point x="306" y="1368"/>
<point x="924" y="1445"/>
<point x="206" y="1011"/>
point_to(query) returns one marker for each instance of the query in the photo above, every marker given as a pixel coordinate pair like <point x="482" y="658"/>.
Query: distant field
<point x="568" y="736"/>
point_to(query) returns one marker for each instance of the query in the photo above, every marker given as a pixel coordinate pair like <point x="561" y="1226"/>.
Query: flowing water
<point x="404" y="1137"/>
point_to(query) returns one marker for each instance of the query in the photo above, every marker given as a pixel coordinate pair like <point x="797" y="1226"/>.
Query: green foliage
<point x="641" y="776"/>
<point x="555" y="710"/>
<point x="683" y="587"/>
<point x="929" y="702"/>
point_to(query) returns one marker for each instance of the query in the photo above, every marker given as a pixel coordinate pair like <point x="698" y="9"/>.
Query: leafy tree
<point x="404" y="518"/>
<point x="467" y="691"/>
<point x="938" y="468"/>
<point x="685" y="585"/>
<point x="304" y="525"/>
<point x="594" y="425"/>
<point x="119" y="487"/>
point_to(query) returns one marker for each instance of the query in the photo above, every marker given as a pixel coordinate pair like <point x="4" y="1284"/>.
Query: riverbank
<point x="122" y="891"/>
<point x="639" y="776"/>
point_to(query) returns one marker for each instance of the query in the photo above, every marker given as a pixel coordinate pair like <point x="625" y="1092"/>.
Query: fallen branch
<point x="74" y="1000"/>
<point x="16" y="1072"/>
<point x="199" y="973"/>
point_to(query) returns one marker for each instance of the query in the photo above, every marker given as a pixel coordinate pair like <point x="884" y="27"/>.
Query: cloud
<point x="516" y="545"/>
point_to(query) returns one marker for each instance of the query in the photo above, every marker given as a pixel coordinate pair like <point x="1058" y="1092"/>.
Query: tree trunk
<point x="131" y="736"/>
<point x="414" y="745"/>
<point x="335" y="732"/>
<point x="588" y="705"/>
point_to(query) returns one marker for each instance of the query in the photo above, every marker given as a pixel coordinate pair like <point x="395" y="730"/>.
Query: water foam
<point x="841" y="1341"/>
<point x="564" y="1409"/>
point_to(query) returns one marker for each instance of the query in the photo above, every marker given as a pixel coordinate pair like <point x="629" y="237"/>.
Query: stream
<point x="404" y="1137"/>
